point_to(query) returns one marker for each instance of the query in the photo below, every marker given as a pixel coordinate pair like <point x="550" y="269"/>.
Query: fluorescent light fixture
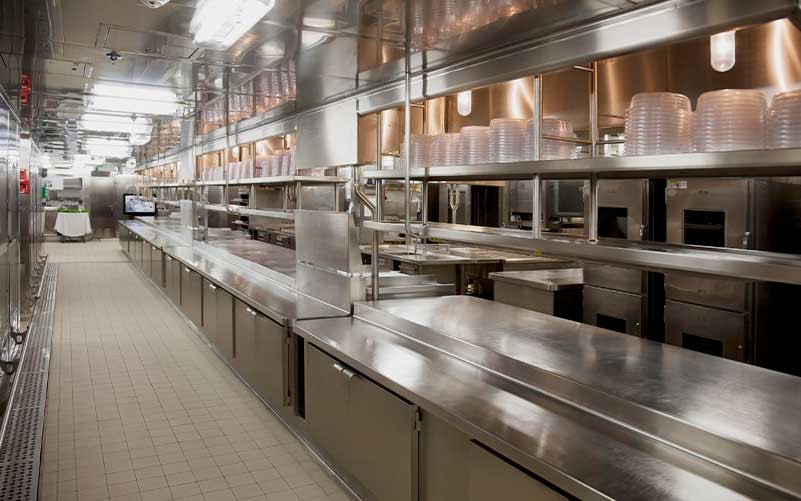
<point x="125" y="125"/>
<point x="309" y="39"/>
<point x="722" y="51"/>
<point x="133" y="99"/>
<point x="220" y="23"/>
<point x="319" y="23"/>
<point x="464" y="103"/>
<point x="114" y="148"/>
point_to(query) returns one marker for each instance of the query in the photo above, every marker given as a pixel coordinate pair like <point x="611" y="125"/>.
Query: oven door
<point x="614" y="310"/>
<point x="707" y="330"/>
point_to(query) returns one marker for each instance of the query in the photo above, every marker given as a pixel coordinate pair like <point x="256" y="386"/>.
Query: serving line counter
<point x="455" y="397"/>
<point x="516" y="405"/>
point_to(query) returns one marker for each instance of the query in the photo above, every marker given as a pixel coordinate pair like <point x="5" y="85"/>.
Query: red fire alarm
<point x="24" y="184"/>
<point x="25" y="90"/>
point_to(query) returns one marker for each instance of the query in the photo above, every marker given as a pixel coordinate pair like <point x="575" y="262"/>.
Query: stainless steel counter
<point x="270" y="256"/>
<point x="282" y="304"/>
<point x="741" y="416"/>
<point x="572" y="446"/>
<point x="548" y="280"/>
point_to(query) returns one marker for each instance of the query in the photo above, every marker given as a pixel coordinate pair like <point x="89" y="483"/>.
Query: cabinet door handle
<point x="212" y="287"/>
<point x="251" y="311"/>
<point x="169" y="258"/>
<point x="348" y="373"/>
<point x="187" y="269"/>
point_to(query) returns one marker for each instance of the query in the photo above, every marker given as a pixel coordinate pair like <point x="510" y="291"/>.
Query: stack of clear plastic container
<point x="784" y="120"/>
<point x="552" y="149"/>
<point x="474" y="145"/>
<point x="445" y="149"/>
<point x="731" y="119"/>
<point x="421" y="147"/>
<point x="658" y="123"/>
<point x="506" y="137"/>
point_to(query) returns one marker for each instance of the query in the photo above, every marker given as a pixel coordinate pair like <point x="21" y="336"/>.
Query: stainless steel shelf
<point x="756" y="163"/>
<point x="245" y="211"/>
<point x="653" y="256"/>
<point x="278" y="180"/>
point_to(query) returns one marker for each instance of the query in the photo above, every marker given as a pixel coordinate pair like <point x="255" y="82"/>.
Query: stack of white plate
<point x="552" y="149"/>
<point x="784" y="120"/>
<point x="278" y="160"/>
<point x="445" y="149"/>
<point x="267" y="166"/>
<point x="730" y="119"/>
<point x="658" y="123"/>
<point x="474" y="145"/>
<point x="421" y="147"/>
<point x="506" y="138"/>
<point x="233" y="170"/>
<point x="288" y="163"/>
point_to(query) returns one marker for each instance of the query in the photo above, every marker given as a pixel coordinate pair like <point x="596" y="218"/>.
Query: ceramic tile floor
<point x="139" y="408"/>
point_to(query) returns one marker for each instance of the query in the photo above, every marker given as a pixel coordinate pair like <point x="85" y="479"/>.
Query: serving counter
<point x="481" y="400"/>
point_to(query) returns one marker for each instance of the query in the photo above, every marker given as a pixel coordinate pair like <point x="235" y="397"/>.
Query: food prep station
<point x="440" y="250"/>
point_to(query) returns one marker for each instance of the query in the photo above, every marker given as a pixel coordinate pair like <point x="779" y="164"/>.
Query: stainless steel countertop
<point x="548" y="280"/>
<point x="456" y="255"/>
<point x="740" y="415"/>
<point x="282" y="304"/>
<point x="585" y="454"/>
<point x="271" y="256"/>
<point x="154" y="235"/>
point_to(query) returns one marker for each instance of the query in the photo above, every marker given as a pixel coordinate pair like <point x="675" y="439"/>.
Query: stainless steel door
<point x="381" y="422"/>
<point x="271" y="362"/>
<point x="147" y="258"/>
<point x="244" y="340"/>
<point x="708" y="330"/>
<point x="614" y="310"/>
<point x="172" y="279"/>
<point x="443" y="461"/>
<point x="224" y="333"/>
<point x="157" y="266"/>
<point x="209" y="310"/>
<point x="191" y="295"/>
<point x="327" y="403"/>
<point x="713" y="212"/>
<point x="491" y="477"/>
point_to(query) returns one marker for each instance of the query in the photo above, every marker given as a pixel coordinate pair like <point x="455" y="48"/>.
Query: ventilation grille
<point x="21" y="447"/>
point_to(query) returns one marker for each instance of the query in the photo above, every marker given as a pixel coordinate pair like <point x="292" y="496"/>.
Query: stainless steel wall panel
<point x="328" y="137"/>
<point x="327" y="70"/>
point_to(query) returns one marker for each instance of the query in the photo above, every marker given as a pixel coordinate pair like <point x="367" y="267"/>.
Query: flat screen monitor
<point x="137" y="205"/>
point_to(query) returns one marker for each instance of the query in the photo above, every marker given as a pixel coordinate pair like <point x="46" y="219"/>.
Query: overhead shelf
<point x="757" y="163"/>
<point x="653" y="256"/>
<point x="278" y="180"/>
<point x="245" y="211"/>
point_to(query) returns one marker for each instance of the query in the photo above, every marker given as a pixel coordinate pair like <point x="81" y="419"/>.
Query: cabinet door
<point x="244" y="339"/>
<point x="224" y="334"/>
<point x="443" y="461"/>
<point x="381" y="422"/>
<point x="270" y="369"/>
<point x="147" y="258"/>
<point x="490" y="477"/>
<point x="172" y="281"/>
<point x="209" y="320"/>
<point x="157" y="267"/>
<point x="191" y="296"/>
<point x="327" y="406"/>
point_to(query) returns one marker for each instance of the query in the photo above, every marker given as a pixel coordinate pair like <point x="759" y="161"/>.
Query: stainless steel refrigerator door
<point x="708" y="330"/>
<point x="614" y="310"/>
<point x="491" y="477"/>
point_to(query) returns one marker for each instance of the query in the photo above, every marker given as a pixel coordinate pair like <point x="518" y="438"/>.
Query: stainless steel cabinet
<point x="147" y="257"/>
<point x="157" y="266"/>
<point x="172" y="278"/>
<point x="491" y="477"/>
<point x="271" y="356"/>
<point x="224" y="331"/>
<point x="244" y="339"/>
<point x="357" y="422"/>
<point x="209" y="322"/>
<point x="191" y="295"/>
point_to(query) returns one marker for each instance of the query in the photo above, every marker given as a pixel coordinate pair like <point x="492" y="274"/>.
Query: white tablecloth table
<point x="73" y="224"/>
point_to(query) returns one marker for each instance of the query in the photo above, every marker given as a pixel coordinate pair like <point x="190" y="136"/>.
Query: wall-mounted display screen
<point x="137" y="205"/>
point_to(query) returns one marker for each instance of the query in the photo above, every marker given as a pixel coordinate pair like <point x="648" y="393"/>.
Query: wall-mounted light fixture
<point x="464" y="103"/>
<point x="722" y="50"/>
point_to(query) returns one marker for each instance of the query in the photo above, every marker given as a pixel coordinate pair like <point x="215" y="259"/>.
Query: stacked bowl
<point x="445" y="149"/>
<point x="474" y="145"/>
<point x="730" y="119"/>
<point x="551" y="148"/>
<point x="784" y="120"/>
<point x="658" y="123"/>
<point x="421" y="147"/>
<point x="506" y="137"/>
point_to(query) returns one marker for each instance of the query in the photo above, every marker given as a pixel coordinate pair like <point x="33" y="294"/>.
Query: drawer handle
<point x="212" y="287"/>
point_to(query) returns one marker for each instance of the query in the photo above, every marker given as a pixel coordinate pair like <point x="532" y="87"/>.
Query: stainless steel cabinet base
<point x="366" y="430"/>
